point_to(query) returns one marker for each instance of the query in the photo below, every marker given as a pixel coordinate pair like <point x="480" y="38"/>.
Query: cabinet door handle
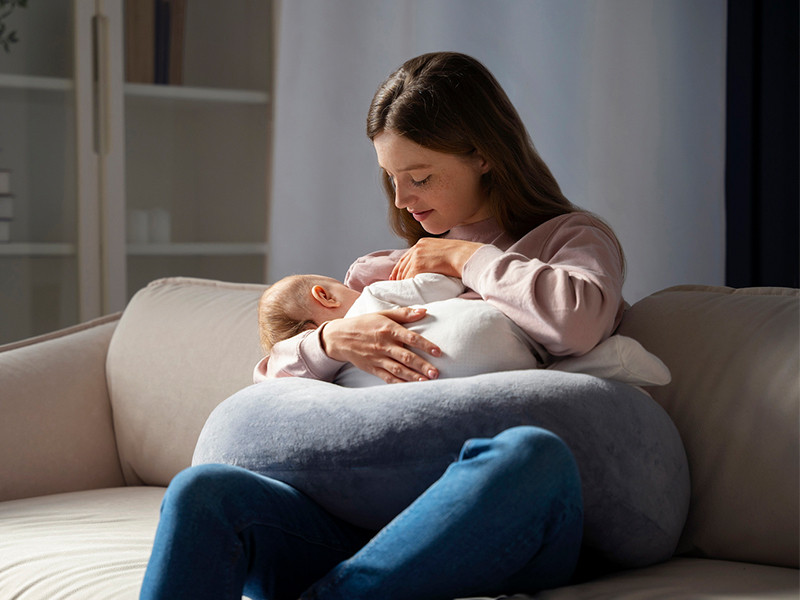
<point x="101" y="89"/>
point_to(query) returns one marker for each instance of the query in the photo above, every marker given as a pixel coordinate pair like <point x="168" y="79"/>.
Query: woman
<point x="474" y="200"/>
<point x="501" y="221"/>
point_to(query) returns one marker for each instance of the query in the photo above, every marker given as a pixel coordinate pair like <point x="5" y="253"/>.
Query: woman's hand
<point x="378" y="344"/>
<point x="435" y="255"/>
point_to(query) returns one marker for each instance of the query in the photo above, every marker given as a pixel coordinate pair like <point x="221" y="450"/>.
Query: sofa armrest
<point x="56" y="432"/>
<point x="735" y="399"/>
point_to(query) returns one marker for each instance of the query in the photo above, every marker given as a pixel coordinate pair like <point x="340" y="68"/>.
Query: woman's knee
<point x="202" y="480"/>
<point x="205" y="488"/>
<point x="536" y="456"/>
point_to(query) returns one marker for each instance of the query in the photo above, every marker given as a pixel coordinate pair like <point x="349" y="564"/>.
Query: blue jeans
<point x="506" y="517"/>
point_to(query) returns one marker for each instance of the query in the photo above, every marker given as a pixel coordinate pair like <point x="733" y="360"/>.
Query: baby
<point x="474" y="336"/>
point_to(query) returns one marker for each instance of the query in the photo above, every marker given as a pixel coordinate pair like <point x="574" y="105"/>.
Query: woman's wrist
<point x="467" y="251"/>
<point x="321" y="335"/>
<point x="326" y="335"/>
<point x="314" y="350"/>
<point x="479" y="262"/>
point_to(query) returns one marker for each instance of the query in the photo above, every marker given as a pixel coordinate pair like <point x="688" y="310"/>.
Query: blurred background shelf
<point x="106" y="115"/>
<point x="34" y="82"/>
<point x="154" y="91"/>
<point x="27" y="249"/>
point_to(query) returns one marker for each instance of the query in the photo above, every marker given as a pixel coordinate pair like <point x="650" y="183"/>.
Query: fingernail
<point x="432" y="374"/>
<point x="436" y="352"/>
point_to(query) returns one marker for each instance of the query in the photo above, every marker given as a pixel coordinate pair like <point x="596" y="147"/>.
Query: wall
<point x="624" y="99"/>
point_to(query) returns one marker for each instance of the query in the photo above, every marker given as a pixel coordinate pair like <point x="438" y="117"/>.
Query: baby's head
<point x="299" y="302"/>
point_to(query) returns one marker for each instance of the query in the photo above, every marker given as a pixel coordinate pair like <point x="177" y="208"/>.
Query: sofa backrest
<point x="735" y="398"/>
<point x="182" y="346"/>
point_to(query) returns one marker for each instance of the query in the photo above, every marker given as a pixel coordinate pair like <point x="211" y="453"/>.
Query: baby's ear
<point x="324" y="298"/>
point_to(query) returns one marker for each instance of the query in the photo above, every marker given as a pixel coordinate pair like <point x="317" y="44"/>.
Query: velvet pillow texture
<point x="364" y="454"/>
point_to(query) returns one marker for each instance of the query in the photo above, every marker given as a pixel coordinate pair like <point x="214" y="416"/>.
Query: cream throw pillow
<point x="620" y="358"/>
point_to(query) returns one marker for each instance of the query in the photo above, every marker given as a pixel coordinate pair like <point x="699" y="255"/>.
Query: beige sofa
<point x="95" y="421"/>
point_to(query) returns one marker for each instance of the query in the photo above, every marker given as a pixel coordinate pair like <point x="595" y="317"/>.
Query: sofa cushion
<point x="685" y="579"/>
<point x="734" y="397"/>
<point x="181" y="347"/>
<point x="90" y="544"/>
<point x="364" y="454"/>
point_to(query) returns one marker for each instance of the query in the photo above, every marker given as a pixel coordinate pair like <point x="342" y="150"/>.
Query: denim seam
<point x="234" y="557"/>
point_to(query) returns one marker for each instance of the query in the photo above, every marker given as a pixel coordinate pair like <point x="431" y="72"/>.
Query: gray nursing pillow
<point x="365" y="454"/>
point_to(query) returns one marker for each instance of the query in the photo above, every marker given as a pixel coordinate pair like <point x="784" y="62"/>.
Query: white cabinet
<point x="116" y="183"/>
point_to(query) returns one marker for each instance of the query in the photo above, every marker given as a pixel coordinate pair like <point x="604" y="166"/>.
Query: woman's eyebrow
<point x="414" y="167"/>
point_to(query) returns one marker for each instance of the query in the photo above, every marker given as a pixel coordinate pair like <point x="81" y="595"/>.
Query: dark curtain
<point x="762" y="185"/>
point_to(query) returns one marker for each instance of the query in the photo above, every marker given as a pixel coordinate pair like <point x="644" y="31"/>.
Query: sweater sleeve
<point x="562" y="283"/>
<point x="371" y="268"/>
<point x="300" y="356"/>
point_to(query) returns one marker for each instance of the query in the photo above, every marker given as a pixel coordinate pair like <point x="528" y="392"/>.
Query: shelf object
<point x="34" y="82"/>
<point x="86" y="148"/>
<point x="33" y="249"/>
<point x="152" y="91"/>
<point x="141" y="90"/>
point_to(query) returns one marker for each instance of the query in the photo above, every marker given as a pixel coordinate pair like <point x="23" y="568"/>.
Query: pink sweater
<point x="561" y="283"/>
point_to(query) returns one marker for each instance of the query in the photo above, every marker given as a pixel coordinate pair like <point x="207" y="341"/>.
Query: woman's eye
<point x="420" y="182"/>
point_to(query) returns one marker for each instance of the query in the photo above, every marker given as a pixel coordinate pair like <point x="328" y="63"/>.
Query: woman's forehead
<point x="398" y="154"/>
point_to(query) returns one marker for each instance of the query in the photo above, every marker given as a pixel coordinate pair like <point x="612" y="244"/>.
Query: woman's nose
<point x="401" y="197"/>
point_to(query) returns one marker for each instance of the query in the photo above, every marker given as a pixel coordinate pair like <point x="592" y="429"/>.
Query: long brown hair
<point x="451" y="103"/>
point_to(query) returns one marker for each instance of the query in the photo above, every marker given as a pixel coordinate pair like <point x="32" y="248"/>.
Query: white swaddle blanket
<point x="474" y="336"/>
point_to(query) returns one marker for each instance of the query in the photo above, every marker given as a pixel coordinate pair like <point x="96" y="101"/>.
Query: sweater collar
<point x="485" y="231"/>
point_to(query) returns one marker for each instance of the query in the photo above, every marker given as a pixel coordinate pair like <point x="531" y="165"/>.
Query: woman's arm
<point x="301" y="356"/>
<point x="565" y="291"/>
<point x="376" y="343"/>
<point x="379" y="344"/>
<point x="561" y="283"/>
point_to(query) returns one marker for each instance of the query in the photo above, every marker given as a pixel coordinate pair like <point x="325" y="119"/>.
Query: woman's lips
<point x="421" y="215"/>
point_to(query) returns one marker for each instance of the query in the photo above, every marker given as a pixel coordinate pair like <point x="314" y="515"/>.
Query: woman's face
<point x="440" y="190"/>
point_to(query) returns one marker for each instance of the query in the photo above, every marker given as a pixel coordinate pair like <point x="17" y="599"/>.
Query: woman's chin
<point x="434" y="229"/>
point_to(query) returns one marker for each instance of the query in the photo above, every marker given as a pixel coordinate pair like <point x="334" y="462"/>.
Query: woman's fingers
<point x="406" y="365"/>
<point x="400" y="268"/>
<point x="405" y="335"/>
<point x="434" y="255"/>
<point x="394" y="372"/>
<point x="394" y="348"/>
<point x="379" y="344"/>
